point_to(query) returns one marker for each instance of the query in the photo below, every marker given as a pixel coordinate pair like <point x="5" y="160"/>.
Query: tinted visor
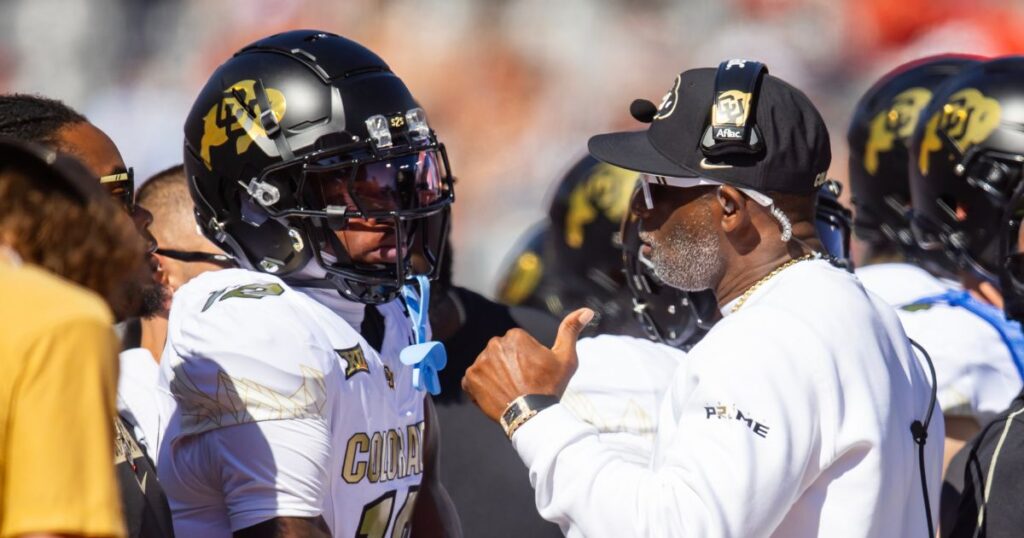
<point x="402" y="184"/>
<point x="993" y="172"/>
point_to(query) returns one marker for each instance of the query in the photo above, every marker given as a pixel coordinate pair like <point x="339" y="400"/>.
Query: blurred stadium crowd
<point x="516" y="86"/>
<point x="283" y="390"/>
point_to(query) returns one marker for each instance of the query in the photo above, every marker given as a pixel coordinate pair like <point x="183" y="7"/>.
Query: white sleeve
<point x="247" y="359"/>
<point x="717" y="475"/>
<point x="275" y="468"/>
<point x="618" y="388"/>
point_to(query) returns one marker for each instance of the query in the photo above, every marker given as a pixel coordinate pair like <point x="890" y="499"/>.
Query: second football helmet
<point x="666" y="314"/>
<point x="679" y="318"/>
<point x="1011" y="274"/>
<point x="834" y="222"/>
<point x="574" y="258"/>
<point x="966" y="163"/>
<point x="883" y="122"/>
<point x="302" y="134"/>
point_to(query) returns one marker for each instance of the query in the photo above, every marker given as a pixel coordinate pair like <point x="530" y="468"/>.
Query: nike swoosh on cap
<point x="708" y="166"/>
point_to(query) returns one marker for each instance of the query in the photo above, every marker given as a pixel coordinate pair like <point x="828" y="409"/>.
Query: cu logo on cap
<point x="731" y="108"/>
<point x="668" y="102"/>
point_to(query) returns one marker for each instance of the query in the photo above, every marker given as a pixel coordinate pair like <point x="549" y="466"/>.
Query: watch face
<point x="510" y="414"/>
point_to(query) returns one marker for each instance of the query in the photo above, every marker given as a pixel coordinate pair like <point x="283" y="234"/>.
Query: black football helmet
<point x="1011" y="274"/>
<point x="585" y="214"/>
<point x="666" y="314"/>
<point x="883" y="122"/>
<point x="574" y="258"/>
<point x="966" y="160"/>
<point x="833" y="221"/>
<point x="301" y="133"/>
<point x="524" y="277"/>
<point x="679" y="318"/>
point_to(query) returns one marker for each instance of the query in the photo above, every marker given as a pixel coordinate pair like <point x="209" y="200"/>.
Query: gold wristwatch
<point x="524" y="408"/>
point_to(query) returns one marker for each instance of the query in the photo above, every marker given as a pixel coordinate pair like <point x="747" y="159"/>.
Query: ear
<point x="733" y="206"/>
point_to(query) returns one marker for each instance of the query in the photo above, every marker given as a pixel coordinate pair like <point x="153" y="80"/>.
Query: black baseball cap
<point x="793" y="156"/>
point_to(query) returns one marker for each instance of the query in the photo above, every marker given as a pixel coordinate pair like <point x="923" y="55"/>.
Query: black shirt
<point x="146" y="512"/>
<point x="993" y="460"/>
<point x="481" y="471"/>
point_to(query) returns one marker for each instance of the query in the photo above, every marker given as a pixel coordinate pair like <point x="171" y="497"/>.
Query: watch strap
<point x="523" y="409"/>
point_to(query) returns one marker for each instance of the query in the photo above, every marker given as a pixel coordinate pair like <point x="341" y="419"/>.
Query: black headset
<point x="733" y="130"/>
<point x="919" y="431"/>
<point x="45" y="165"/>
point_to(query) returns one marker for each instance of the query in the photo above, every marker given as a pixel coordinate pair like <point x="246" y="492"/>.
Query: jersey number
<point x="248" y="291"/>
<point x="377" y="515"/>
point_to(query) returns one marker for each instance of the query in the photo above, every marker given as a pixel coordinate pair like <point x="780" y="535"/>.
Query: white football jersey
<point x="137" y="401"/>
<point x="280" y="408"/>
<point x="975" y="372"/>
<point x="618" y="388"/>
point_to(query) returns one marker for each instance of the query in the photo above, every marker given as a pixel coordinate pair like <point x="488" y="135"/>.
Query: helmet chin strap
<point x="270" y="124"/>
<point x="976" y="269"/>
<point x="311" y="275"/>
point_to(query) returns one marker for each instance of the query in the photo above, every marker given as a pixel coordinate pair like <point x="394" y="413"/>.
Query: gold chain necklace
<point x="750" y="291"/>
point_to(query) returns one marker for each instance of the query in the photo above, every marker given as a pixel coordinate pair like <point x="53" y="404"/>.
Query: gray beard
<point x="689" y="260"/>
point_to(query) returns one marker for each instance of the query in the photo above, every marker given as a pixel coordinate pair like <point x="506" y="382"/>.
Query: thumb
<point x="569" y="331"/>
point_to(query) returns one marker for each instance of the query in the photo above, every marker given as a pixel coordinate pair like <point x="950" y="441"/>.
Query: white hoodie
<point x="790" y="418"/>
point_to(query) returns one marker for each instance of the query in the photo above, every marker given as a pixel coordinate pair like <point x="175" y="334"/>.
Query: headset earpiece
<point x="727" y="205"/>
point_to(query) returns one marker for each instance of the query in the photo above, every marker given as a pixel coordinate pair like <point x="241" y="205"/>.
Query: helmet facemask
<point x="668" y="315"/>
<point x="832" y="222"/>
<point x="962" y="228"/>
<point x="401" y="194"/>
<point x="1011" y="274"/>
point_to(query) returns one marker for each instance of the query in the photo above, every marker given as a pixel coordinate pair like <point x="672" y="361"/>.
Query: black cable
<point x="919" y="431"/>
<point x="924" y="487"/>
<point x="931" y="369"/>
<point x="196" y="256"/>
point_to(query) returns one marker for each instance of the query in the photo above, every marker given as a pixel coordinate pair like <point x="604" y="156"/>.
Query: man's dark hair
<point x="34" y="118"/>
<point x="155" y="186"/>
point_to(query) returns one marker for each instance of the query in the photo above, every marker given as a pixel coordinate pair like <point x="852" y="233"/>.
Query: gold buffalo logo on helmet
<point x="967" y="118"/>
<point x="896" y="122"/>
<point x="731" y="108"/>
<point x="606" y="192"/>
<point x="522" y="279"/>
<point x="238" y="110"/>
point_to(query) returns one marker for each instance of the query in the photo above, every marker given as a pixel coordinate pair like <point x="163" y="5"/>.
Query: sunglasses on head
<point x="122" y="187"/>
